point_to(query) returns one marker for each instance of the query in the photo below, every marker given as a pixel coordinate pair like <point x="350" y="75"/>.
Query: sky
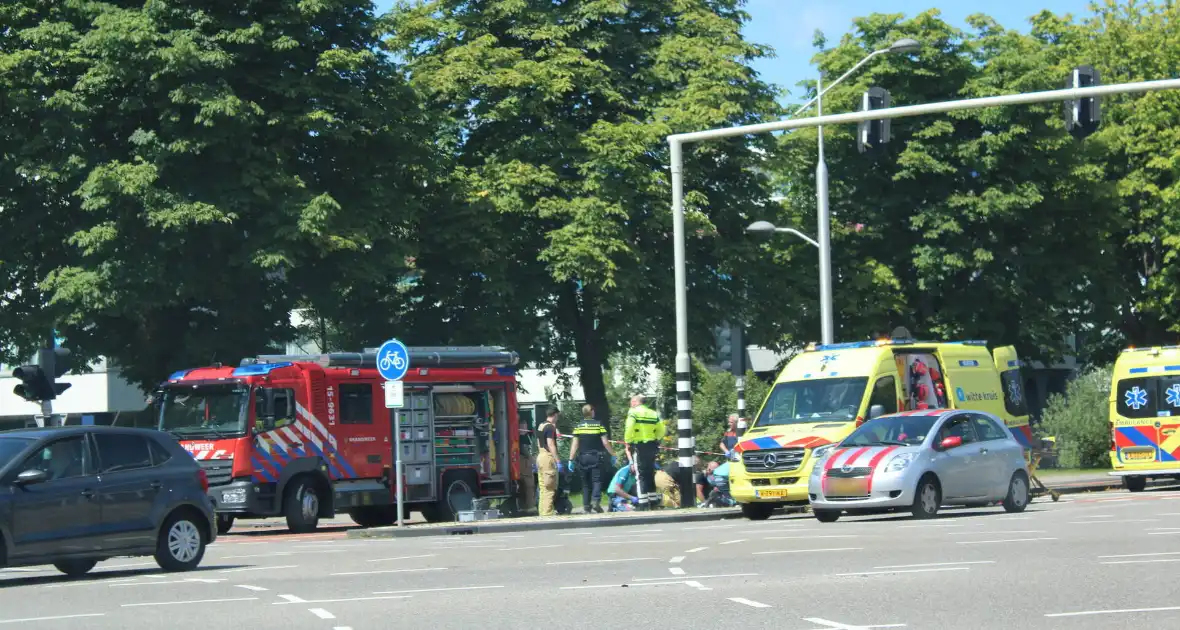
<point x="788" y="25"/>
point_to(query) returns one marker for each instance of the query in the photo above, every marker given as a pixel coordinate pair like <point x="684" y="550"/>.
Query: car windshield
<point x="819" y="400"/>
<point x="10" y="447"/>
<point x="892" y="430"/>
<point x="205" y="411"/>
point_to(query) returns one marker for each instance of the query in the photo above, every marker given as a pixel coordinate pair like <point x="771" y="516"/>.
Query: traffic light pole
<point x="676" y="144"/>
<point x="47" y="405"/>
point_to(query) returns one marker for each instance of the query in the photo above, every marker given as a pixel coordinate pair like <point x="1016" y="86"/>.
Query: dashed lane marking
<point x="677" y="560"/>
<point x="388" y="571"/>
<point x="1112" y="612"/>
<point x="696" y="550"/>
<point x="1008" y="540"/>
<point x="527" y="548"/>
<point x="734" y="542"/>
<point x="597" y="561"/>
<point x="429" y="555"/>
<point x="275" y="554"/>
<point x="696" y="577"/>
<point x="344" y="599"/>
<point x="767" y="553"/>
<point x="676" y="570"/>
<point x="32" y="619"/>
<point x="437" y="590"/>
<point x="1126" y="520"/>
<point x="1142" y="555"/>
<point x="1155" y="561"/>
<point x="321" y="613"/>
<point x="193" y="601"/>
<point x="249" y="587"/>
<point x="291" y="599"/>
<point x="697" y="585"/>
<point x="934" y="564"/>
<point x="844" y="626"/>
<point x="241" y="569"/>
<point x="748" y="602"/>
<point x="896" y="571"/>
<point x="811" y="537"/>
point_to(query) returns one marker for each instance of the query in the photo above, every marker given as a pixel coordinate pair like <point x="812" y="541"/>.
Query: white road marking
<point x="251" y="588"/>
<point x="638" y="541"/>
<point x="597" y="561"/>
<point x="31" y="619"/>
<point x="1125" y="520"/>
<point x="929" y="570"/>
<point x="193" y="601"/>
<point x="1112" y="500"/>
<point x="982" y="542"/>
<point x="577" y="534"/>
<point x="123" y="566"/>
<point x="321" y="613"/>
<point x="429" y="555"/>
<point x="697" y="585"/>
<point x="469" y="546"/>
<point x="388" y="571"/>
<point x="291" y="599"/>
<point x="676" y="570"/>
<point x="645" y="533"/>
<point x="696" y="577"/>
<point x="844" y="626"/>
<point x="934" y="564"/>
<point x="342" y="628"/>
<point x="699" y="527"/>
<point x="345" y="599"/>
<point x="734" y="542"/>
<point x="200" y="580"/>
<point x="1156" y="561"/>
<point x="677" y="560"/>
<point x="1161" y="533"/>
<point x="748" y="602"/>
<point x="1099" y="516"/>
<point x="1003" y="533"/>
<point x="767" y="553"/>
<point x="696" y="550"/>
<point x="241" y="569"/>
<point x="817" y="536"/>
<point x="525" y="548"/>
<point x="275" y="554"/>
<point x="437" y="590"/>
<point x="931" y="526"/>
<point x="1112" y="612"/>
<point x="1143" y="555"/>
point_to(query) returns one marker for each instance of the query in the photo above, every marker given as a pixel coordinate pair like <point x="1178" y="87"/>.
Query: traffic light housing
<point x="724" y="338"/>
<point x="1083" y="115"/>
<point x="38" y="382"/>
<point x="873" y="134"/>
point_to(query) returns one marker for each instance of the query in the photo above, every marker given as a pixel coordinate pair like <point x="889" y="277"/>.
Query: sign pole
<point x="393" y="361"/>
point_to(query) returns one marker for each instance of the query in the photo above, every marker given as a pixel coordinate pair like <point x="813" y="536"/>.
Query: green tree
<point x="558" y="114"/>
<point x="995" y="207"/>
<point x="205" y="168"/>
<point x="1080" y="421"/>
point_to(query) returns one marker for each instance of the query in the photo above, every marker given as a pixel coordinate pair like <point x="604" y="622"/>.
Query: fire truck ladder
<point x="420" y="357"/>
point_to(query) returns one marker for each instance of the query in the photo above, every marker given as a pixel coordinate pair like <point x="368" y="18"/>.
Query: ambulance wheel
<point x="1135" y="484"/>
<point x="301" y="506"/>
<point x="826" y="516"/>
<point x="225" y="522"/>
<point x="757" y="511"/>
<point x="459" y="490"/>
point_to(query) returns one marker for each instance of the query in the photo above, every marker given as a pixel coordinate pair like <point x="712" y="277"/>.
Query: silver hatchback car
<point x="921" y="460"/>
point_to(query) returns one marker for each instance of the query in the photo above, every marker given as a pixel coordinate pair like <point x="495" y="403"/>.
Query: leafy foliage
<point x="1080" y="420"/>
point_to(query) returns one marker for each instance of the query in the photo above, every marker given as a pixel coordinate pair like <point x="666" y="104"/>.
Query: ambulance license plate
<point x="1139" y="456"/>
<point x="770" y="494"/>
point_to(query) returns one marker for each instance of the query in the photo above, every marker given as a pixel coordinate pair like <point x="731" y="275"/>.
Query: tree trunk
<point x="578" y="316"/>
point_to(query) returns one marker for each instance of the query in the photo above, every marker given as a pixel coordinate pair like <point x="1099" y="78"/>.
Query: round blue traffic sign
<point x="393" y="360"/>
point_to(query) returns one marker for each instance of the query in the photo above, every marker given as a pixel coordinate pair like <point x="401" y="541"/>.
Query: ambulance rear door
<point x="1008" y="365"/>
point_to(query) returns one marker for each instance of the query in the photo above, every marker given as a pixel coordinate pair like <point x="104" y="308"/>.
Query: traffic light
<point x="873" y="134"/>
<point x="737" y="361"/>
<point x="38" y="382"/>
<point x="1083" y="115"/>
<point x="724" y="338"/>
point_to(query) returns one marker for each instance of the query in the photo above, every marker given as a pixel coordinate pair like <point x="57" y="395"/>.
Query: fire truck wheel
<point x="302" y="505"/>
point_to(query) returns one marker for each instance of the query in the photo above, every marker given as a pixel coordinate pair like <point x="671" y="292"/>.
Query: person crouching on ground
<point x="621" y="489"/>
<point x="590" y="442"/>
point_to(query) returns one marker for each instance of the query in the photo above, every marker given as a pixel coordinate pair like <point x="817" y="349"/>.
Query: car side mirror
<point x="953" y="441"/>
<point x="32" y="476"/>
<point x="876" y="411"/>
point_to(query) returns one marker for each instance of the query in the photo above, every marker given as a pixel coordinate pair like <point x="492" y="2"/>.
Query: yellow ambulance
<point x="826" y="391"/>
<point x="1145" y="415"/>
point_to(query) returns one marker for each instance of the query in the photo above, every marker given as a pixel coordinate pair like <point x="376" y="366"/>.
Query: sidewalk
<point x="1096" y="481"/>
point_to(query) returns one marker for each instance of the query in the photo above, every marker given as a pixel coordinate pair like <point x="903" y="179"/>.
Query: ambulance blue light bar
<point x="259" y="369"/>
<point x="852" y="345"/>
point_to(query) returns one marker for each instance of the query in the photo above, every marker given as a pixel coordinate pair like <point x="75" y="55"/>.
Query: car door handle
<point x="156" y="485"/>
<point x="88" y="493"/>
<point x="983" y="451"/>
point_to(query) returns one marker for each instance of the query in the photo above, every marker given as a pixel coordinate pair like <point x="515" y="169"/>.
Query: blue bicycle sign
<point x="393" y="360"/>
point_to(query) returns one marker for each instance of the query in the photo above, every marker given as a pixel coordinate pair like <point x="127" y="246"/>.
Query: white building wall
<point x="100" y="390"/>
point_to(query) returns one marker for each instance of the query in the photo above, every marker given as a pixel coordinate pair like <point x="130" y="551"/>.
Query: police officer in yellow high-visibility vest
<point x="643" y="433"/>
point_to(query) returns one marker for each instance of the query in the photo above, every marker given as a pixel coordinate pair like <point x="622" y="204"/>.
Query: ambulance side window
<point x="885" y="394"/>
<point x="1137" y="398"/>
<point x="356" y="403"/>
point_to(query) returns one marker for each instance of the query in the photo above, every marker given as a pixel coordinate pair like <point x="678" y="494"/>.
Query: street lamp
<point x="905" y="45"/>
<point x="766" y="227"/>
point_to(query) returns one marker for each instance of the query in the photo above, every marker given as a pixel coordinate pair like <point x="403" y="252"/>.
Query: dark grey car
<point x="73" y="496"/>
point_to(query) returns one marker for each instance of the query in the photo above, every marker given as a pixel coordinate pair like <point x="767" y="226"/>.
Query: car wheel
<point x="224" y="523"/>
<point x="757" y="511"/>
<point x="302" y="506"/>
<point x="75" y="568"/>
<point x="826" y="516"/>
<point x="927" y="499"/>
<point x="181" y="544"/>
<point x="1135" y="484"/>
<point x="1017" y="498"/>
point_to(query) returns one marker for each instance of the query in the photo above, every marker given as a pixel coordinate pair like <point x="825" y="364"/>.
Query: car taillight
<point x="203" y="479"/>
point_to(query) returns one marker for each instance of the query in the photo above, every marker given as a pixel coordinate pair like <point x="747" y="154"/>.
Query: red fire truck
<point x="309" y="436"/>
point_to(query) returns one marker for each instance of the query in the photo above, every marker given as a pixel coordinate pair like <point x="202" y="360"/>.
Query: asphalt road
<point x="1091" y="561"/>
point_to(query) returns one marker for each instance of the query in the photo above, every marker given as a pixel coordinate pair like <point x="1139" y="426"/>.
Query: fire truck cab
<point x="308" y="436"/>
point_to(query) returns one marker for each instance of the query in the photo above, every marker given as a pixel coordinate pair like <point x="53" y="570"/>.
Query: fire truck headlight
<point x="237" y="495"/>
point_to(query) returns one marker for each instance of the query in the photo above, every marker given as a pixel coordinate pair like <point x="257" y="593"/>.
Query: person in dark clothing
<point x="591" y="452"/>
